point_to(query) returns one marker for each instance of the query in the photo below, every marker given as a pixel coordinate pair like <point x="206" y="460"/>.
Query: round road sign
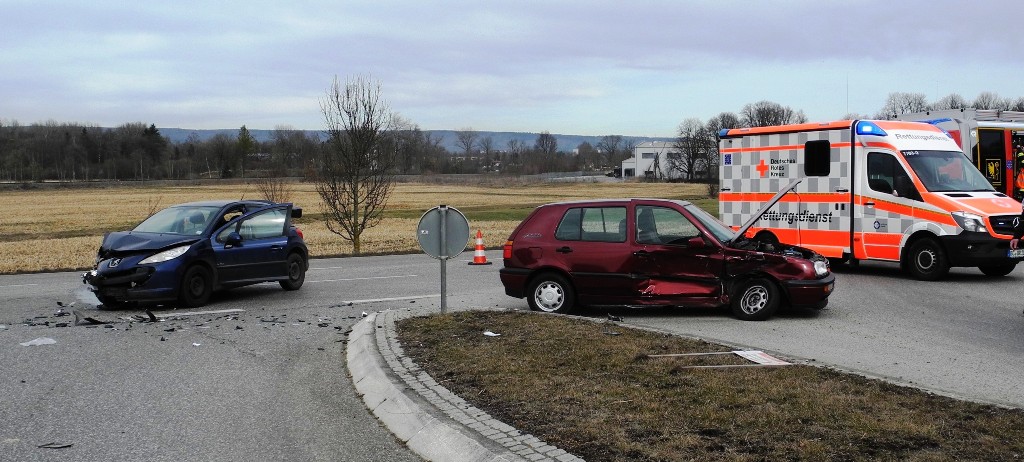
<point x="443" y="232"/>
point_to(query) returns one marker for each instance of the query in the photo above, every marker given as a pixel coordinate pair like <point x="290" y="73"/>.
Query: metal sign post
<point x="443" y="232"/>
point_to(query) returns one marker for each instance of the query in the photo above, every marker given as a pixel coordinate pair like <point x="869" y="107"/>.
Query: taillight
<point x="507" y="252"/>
<point x="299" y="232"/>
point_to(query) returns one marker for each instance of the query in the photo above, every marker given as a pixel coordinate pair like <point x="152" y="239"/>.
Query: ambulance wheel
<point x="927" y="261"/>
<point x="755" y="299"/>
<point x="998" y="270"/>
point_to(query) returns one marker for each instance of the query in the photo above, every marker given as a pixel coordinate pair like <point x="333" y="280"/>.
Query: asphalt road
<point x="259" y="373"/>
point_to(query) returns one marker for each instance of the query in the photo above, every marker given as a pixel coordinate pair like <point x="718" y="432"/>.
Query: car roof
<point x="609" y="201"/>
<point x="221" y="203"/>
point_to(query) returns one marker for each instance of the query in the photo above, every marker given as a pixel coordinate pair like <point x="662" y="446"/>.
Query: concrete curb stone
<point x="434" y="422"/>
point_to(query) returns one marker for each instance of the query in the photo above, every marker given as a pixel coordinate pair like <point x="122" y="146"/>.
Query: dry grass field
<point x="61" y="229"/>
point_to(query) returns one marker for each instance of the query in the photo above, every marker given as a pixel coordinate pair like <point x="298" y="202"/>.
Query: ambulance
<point x="892" y="191"/>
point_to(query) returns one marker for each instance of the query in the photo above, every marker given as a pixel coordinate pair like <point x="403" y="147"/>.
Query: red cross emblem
<point x="762" y="168"/>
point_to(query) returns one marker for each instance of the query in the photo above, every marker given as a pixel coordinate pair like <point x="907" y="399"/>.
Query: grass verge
<point x="590" y="389"/>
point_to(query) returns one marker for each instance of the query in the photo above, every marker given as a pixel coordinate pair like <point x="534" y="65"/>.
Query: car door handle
<point x="564" y="249"/>
<point x="276" y="247"/>
<point x="869" y="204"/>
<point x="641" y="254"/>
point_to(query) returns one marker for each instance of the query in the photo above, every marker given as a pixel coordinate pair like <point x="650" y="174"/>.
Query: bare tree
<point x="1017" y="105"/>
<point x="989" y="100"/>
<point x="465" y="139"/>
<point x="546" y="144"/>
<point x="767" y="113"/>
<point x="902" y="103"/>
<point x="688" y="148"/>
<point x="610" y="146"/>
<point x="722" y="121"/>
<point x="355" y="176"/>
<point x="950" y="101"/>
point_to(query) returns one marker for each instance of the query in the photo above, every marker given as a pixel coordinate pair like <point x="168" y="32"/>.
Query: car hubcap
<point x="549" y="296"/>
<point x="754" y="299"/>
<point x="926" y="259"/>
<point x="197" y="286"/>
<point x="293" y="271"/>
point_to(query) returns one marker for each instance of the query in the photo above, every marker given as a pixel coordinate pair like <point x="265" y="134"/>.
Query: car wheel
<point x="927" y="261"/>
<point x="998" y="270"/>
<point x="296" y="272"/>
<point x="196" y="286"/>
<point x="755" y="300"/>
<point x="550" y="293"/>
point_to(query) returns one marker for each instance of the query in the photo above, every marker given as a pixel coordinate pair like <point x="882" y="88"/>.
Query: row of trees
<point x="75" y="152"/>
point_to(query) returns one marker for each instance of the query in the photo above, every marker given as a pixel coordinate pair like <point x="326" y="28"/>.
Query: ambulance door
<point x="885" y="207"/>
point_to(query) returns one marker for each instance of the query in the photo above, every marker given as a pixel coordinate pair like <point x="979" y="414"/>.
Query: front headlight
<point x="970" y="222"/>
<point x="169" y="254"/>
<point x="820" y="268"/>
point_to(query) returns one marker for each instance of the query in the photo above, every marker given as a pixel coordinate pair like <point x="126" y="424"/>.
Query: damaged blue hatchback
<point x="185" y="252"/>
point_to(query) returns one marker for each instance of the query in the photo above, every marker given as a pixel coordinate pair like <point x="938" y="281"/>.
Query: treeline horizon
<point x="56" y="151"/>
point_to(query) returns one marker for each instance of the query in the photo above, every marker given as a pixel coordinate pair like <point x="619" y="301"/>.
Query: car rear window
<point x="596" y="224"/>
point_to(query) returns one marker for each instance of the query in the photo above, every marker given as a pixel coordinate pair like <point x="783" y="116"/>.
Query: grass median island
<point x="591" y="389"/>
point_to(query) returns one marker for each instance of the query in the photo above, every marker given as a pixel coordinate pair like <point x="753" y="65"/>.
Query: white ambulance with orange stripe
<point x="871" y="190"/>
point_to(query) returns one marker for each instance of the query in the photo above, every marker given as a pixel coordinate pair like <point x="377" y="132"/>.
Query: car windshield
<point x="721" y="232"/>
<point x="178" y="220"/>
<point x="944" y="171"/>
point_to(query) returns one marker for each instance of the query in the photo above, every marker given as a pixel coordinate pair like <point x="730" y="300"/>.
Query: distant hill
<point x="566" y="143"/>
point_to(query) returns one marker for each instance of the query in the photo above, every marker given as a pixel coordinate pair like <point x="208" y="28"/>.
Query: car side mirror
<point x="233" y="240"/>
<point x="296" y="212"/>
<point x="695" y="242"/>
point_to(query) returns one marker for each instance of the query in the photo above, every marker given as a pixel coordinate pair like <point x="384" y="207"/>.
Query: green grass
<point x="599" y="396"/>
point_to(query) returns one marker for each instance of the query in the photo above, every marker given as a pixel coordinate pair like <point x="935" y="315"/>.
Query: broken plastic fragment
<point x="491" y="334"/>
<point x="196" y="344"/>
<point x="40" y="341"/>
<point x="55" y="445"/>
<point x="364" y="314"/>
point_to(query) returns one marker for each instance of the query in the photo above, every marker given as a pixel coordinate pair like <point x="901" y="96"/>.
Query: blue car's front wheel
<point x="196" y="286"/>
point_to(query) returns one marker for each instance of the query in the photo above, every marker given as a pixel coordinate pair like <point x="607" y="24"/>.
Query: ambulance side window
<point x="886" y="175"/>
<point x="816" y="158"/>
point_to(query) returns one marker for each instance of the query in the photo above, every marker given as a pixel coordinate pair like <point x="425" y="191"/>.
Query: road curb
<point x="434" y="422"/>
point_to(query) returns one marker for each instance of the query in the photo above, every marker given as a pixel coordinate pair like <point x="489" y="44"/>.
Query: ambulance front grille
<point x="1003" y="224"/>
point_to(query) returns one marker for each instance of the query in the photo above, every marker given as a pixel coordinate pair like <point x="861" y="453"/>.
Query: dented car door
<point x="673" y="262"/>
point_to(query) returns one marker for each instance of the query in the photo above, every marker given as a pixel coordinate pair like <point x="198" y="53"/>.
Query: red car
<point x="655" y="252"/>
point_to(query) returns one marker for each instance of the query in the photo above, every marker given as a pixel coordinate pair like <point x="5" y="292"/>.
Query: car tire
<point x="755" y="299"/>
<point x="926" y="261"/>
<point x="551" y="293"/>
<point x="196" y="286"/>
<point x="296" y="268"/>
<point x="997" y="271"/>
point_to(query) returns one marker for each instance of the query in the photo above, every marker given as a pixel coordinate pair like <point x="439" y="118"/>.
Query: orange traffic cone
<point x="478" y="255"/>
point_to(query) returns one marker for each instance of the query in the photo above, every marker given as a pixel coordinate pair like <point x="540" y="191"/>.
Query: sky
<point x="593" y="68"/>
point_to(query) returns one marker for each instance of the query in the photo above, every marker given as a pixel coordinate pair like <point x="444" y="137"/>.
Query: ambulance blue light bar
<point x="865" y="127"/>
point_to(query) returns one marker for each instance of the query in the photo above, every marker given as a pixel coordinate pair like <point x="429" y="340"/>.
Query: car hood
<point x="128" y="242"/>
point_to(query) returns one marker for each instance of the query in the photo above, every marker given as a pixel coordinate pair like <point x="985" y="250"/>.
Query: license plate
<point x="1015" y="253"/>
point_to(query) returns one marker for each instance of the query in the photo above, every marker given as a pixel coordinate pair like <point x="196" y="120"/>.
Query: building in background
<point x="650" y="160"/>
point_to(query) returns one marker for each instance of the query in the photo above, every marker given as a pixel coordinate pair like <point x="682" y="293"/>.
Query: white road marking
<point x="18" y="285"/>
<point x="391" y="299"/>
<point x="367" y="278"/>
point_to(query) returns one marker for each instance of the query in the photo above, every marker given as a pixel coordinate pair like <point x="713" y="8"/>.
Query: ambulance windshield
<point x="946" y="171"/>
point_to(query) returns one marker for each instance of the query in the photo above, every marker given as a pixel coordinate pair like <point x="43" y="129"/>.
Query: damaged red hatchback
<point x="655" y="252"/>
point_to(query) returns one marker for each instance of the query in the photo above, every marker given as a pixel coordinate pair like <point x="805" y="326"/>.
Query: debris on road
<point x="488" y="333"/>
<point x="39" y="341"/>
<point x="55" y="445"/>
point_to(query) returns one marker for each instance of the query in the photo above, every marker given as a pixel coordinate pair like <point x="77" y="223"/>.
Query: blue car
<point x="185" y="252"/>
